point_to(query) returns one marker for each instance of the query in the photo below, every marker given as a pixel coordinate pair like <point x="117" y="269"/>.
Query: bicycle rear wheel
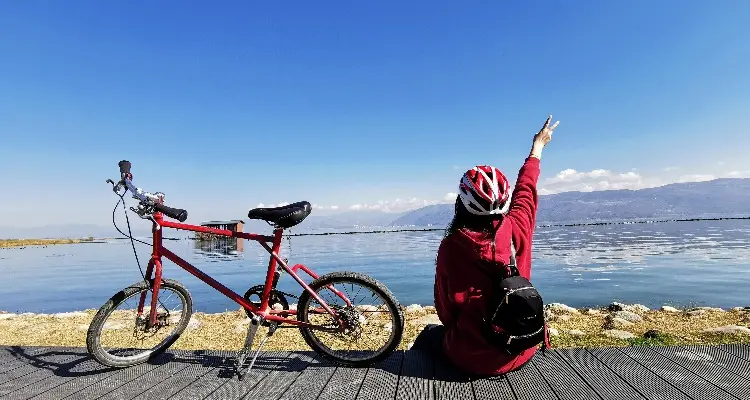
<point x="119" y="338"/>
<point x="374" y="327"/>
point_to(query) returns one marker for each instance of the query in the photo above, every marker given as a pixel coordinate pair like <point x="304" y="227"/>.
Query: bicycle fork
<point x="154" y="267"/>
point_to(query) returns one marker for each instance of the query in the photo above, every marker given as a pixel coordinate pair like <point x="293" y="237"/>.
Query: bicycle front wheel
<point x="118" y="337"/>
<point x="372" y="315"/>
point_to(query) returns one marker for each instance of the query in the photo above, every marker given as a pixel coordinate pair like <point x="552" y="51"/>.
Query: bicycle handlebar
<point x="174" y="213"/>
<point x="151" y="199"/>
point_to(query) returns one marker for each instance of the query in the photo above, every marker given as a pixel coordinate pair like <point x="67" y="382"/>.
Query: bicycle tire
<point x="93" y="337"/>
<point x="372" y="284"/>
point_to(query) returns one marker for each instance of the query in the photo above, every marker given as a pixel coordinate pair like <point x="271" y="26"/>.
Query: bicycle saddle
<point x="283" y="217"/>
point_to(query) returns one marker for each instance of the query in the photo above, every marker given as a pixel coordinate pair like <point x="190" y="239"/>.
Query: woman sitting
<point x="477" y="241"/>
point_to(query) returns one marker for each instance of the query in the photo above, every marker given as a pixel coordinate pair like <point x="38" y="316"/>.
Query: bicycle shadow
<point x="75" y="362"/>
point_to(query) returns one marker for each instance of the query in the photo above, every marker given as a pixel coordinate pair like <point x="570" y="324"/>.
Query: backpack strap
<point x="513" y="269"/>
<point x="512" y="266"/>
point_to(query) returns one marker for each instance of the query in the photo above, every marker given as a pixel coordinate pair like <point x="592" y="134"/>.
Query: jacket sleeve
<point x="455" y="290"/>
<point x="523" y="208"/>
<point x="444" y="306"/>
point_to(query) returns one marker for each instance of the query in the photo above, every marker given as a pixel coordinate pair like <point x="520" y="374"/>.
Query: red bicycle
<point x="326" y="308"/>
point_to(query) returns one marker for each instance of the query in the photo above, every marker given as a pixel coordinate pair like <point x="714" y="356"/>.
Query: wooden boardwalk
<point x="664" y="373"/>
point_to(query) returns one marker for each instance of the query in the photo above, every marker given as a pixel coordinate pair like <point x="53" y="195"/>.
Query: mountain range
<point x="716" y="198"/>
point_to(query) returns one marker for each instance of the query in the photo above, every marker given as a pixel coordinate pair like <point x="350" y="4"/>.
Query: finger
<point x="546" y="123"/>
<point x="554" y="126"/>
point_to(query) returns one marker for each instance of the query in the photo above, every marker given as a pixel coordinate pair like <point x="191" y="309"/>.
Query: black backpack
<point x="515" y="318"/>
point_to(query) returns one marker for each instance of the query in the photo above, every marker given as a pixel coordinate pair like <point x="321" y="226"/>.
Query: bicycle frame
<point x="159" y="251"/>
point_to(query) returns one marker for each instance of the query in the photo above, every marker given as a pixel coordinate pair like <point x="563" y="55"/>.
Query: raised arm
<point x="525" y="198"/>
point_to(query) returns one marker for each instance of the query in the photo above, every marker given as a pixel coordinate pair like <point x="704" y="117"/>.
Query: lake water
<point x="679" y="263"/>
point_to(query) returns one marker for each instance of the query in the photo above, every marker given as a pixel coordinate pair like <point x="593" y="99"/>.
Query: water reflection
<point x="218" y="248"/>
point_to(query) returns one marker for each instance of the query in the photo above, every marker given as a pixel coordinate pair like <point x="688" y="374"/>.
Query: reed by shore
<point x="616" y="325"/>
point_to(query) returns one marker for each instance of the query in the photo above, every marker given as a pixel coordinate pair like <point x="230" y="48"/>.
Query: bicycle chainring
<point x="276" y="298"/>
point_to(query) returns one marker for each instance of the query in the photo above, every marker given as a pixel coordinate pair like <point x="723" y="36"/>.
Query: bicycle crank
<point x="276" y="299"/>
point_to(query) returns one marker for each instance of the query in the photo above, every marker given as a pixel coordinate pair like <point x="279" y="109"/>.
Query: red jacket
<point x="460" y="283"/>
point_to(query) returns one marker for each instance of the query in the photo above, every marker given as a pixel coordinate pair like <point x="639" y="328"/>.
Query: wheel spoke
<point x="370" y="330"/>
<point x="120" y="338"/>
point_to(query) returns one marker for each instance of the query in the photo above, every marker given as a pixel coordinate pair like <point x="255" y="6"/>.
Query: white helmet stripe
<point x="493" y="185"/>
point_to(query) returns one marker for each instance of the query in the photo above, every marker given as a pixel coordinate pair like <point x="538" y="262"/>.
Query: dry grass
<point x="680" y="328"/>
<point x="226" y="331"/>
<point x="38" y="242"/>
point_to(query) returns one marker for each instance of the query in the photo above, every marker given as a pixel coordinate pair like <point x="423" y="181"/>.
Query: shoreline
<point x="616" y="325"/>
<point x="22" y="243"/>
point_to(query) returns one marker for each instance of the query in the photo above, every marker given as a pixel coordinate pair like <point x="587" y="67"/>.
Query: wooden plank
<point x="279" y="380"/>
<point x="606" y="383"/>
<point x="450" y="381"/>
<point x="224" y="374"/>
<point x="381" y="381"/>
<point x="492" y="388"/>
<point x="344" y="384"/>
<point x="717" y="372"/>
<point x="739" y="350"/>
<point x="133" y="388"/>
<point x="527" y="383"/>
<point x="310" y="383"/>
<point x="693" y="385"/>
<point x="726" y="360"/>
<point x="7" y="354"/>
<point x="232" y="388"/>
<point x="24" y="377"/>
<point x="204" y="363"/>
<point x="130" y="384"/>
<point x="22" y="357"/>
<point x="636" y="375"/>
<point x="726" y="380"/>
<point x="100" y="379"/>
<point x="416" y="381"/>
<point x="563" y="379"/>
<point x="80" y="368"/>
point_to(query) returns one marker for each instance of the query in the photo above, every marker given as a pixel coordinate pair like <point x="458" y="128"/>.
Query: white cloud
<point x="261" y="205"/>
<point x="602" y="179"/>
<point x="565" y="181"/>
<point x="397" y="205"/>
<point x="695" y="178"/>
<point x="738" y="174"/>
<point x="598" y="179"/>
<point x="324" y="208"/>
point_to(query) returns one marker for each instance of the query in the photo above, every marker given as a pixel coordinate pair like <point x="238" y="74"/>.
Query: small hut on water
<point x="231" y="225"/>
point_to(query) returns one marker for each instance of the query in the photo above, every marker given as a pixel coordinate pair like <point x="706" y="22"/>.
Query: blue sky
<point x="377" y="104"/>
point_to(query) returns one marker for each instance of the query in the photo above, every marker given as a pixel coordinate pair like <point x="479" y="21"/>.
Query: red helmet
<point x="484" y="190"/>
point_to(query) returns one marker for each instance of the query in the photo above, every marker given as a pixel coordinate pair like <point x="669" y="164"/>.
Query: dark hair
<point x="462" y="218"/>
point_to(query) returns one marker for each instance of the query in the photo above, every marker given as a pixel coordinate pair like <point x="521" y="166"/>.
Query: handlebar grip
<point x="124" y="167"/>
<point x="174" y="213"/>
